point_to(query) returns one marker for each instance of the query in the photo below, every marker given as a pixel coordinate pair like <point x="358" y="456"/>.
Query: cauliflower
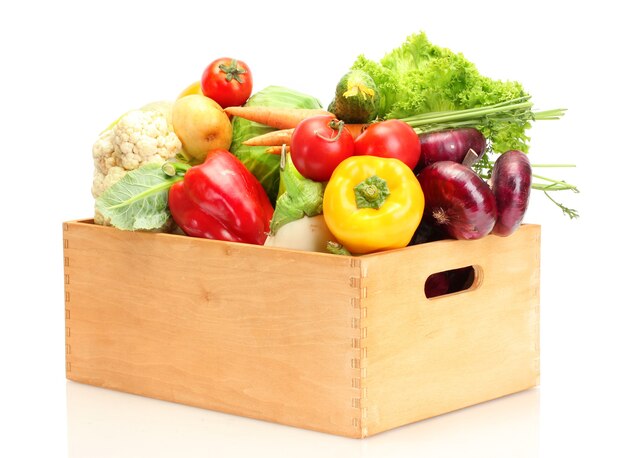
<point x="139" y="137"/>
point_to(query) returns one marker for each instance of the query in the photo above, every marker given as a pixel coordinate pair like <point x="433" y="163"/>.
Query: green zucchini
<point x="356" y="98"/>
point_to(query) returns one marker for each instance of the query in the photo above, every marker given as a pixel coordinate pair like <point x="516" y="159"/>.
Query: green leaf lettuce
<point x="419" y="77"/>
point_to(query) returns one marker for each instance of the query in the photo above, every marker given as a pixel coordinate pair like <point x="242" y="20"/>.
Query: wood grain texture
<point x="257" y="332"/>
<point x="349" y="346"/>
<point x="425" y="356"/>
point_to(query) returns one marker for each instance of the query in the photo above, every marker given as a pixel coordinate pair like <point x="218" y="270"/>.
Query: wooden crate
<point x="345" y="345"/>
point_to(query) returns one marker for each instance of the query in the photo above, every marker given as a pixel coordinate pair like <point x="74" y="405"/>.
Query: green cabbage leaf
<point x="265" y="166"/>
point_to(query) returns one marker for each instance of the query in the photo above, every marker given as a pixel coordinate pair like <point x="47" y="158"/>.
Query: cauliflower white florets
<point x="139" y="137"/>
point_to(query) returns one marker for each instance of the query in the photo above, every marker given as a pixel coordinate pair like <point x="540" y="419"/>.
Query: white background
<point x="70" y="68"/>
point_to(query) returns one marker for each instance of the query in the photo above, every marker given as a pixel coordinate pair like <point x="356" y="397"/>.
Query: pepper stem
<point x="371" y="193"/>
<point x="172" y="169"/>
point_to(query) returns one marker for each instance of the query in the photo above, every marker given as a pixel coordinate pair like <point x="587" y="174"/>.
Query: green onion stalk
<point x="518" y="111"/>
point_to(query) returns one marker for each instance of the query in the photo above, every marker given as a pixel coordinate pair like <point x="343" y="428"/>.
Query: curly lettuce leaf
<point x="419" y="77"/>
<point x="262" y="165"/>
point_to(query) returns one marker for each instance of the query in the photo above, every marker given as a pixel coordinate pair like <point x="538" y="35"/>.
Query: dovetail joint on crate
<point x="358" y="363"/>
<point x="66" y="264"/>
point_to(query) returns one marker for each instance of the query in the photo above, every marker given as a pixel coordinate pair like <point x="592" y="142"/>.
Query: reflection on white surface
<point x="105" y="423"/>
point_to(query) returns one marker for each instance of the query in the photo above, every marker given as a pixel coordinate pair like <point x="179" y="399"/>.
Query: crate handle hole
<point x="452" y="281"/>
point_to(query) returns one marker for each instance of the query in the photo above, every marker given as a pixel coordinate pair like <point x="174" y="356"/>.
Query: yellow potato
<point x="201" y="125"/>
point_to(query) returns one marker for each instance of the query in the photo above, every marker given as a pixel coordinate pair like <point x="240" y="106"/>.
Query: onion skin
<point x="458" y="199"/>
<point x="511" y="183"/>
<point x="450" y="145"/>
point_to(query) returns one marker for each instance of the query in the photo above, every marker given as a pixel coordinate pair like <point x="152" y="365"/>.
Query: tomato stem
<point x="334" y="124"/>
<point x="232" y="71"/>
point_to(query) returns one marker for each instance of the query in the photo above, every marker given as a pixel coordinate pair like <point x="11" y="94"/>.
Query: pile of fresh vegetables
<point x="415" y="148"/>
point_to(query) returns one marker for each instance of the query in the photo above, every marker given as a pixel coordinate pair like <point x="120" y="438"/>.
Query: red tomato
<point x="391" y="138"/>
<point x="318" y="145"/>
<point x="227" y="81"/>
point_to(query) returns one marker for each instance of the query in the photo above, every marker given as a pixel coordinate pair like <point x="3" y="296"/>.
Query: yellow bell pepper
<point x="373" y="203"/>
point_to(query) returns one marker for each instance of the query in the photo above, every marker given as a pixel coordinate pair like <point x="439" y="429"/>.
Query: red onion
<point x="510" y="181"/>
<point x="450" y="145"/>
<point x="458" y="200"/>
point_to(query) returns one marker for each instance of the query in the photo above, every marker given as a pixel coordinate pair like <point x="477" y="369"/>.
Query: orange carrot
<point x="279" y="118"/>
<point x="276" y="149"/>
<point x="276" y="137"/>
<point x="356" y="129"/>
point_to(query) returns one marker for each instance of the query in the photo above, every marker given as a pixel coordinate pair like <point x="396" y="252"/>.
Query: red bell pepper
<point x="221" y="199"/>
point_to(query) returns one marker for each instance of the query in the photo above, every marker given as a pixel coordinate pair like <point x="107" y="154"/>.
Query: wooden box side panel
<point x="258" y="332"/>
<point x="425" y="357"/>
